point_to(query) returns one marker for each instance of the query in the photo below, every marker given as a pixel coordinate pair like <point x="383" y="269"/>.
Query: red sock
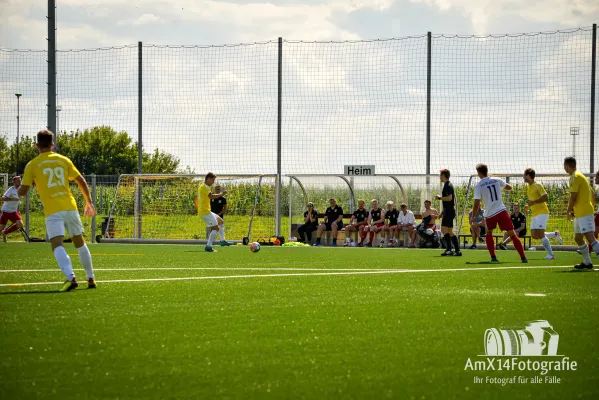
<point x="490" y="244"/>
<point x="371" y="237"/>
<point x="362" y="237"/>
<point x="10" y="229"/>
<point x="518" y="246"/>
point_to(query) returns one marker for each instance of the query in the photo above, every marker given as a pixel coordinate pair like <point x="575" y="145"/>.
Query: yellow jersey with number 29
<point x="51" y="173"/>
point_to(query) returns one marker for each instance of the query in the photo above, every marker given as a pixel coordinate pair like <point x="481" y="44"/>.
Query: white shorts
<point x="539" y="222"/>
<point x="56" y="223"/>
<point x="584" y="224"/>
<point x="210" y="219"/>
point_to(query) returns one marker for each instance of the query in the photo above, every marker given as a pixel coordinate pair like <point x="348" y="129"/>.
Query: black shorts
<point x="522" y="233"/>
<point x="328" y="226"/>
<point x="447" y="220"/>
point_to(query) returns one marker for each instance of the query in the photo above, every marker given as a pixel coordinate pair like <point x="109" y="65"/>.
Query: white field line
<point x="400" y="271"/>
<point x="202" y="269"/>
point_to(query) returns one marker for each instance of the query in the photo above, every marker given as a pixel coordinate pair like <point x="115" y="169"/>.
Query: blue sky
<point x="509" y="102"/>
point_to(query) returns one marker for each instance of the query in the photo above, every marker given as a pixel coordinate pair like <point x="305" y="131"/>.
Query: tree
<point x="103" y="151"/>
<point x="100" y="150"/>
<point x="8" y="154"/>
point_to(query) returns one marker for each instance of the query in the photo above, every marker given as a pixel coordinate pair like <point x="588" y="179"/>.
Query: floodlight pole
<point x="574" y="132"/>
<point x="18" y="130"/>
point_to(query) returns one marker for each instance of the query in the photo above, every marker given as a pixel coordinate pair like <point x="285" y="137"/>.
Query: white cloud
<point x="144" y="19"/>
<point x="559" y="12"/>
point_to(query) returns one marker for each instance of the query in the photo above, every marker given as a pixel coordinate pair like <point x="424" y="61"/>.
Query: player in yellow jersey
<point x="213" y="221"/>
<point x="596" y="198"/>
<point x="580" y="208"/>
<point x="51" y="174"/>
<point x="537" y="205"/>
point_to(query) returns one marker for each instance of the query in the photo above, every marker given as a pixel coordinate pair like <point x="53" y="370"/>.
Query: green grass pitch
<point x="174" y="322"/>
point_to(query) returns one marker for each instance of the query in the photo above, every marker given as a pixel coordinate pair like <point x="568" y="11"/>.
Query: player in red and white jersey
<point x="10" y="209"/>
<point x="489" y="190"/>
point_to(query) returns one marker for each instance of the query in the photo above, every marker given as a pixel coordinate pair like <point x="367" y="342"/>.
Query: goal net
<point x="161" y="208"/>
<point x="557" y="192"/>
<point x="412" y="190"/>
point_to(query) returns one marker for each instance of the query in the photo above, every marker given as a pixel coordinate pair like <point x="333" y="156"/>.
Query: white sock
<point x="547" y="246"/>
<point x="584" y="250"/>
<point x="211" y="237"/>
<point x="595" y="246"/>
<point x="221" y="231"/>
<point x="64" y="262"/>
<point x="86" y="260"/>
<point x="347" y="240"/>
<point x="550" y="235"/>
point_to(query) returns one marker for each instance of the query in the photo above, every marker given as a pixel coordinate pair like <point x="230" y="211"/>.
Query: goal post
<point x="4" y="182"/>
<point x="160" y="208"/>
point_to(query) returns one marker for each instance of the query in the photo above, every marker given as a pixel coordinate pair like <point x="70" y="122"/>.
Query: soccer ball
<point x="255" y="247"/>
<point x="430" y="231"/>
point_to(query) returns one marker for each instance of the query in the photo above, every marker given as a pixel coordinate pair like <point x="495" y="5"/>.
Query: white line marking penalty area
<point x="376" y="272"/>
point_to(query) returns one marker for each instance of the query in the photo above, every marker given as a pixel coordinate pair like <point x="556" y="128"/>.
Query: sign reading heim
<point x="359" y="170"/>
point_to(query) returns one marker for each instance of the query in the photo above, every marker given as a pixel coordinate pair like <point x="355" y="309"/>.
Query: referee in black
<point x="447" y="215"/>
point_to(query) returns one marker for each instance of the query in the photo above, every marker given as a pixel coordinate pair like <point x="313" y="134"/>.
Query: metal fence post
<point x="429" y="38"/>
<point x="138" y="186"/>
<point x="279" y="120"/>
<point x="94" y="203"/>
<point x="593" y="72"/>
<point x="52" y="67"/>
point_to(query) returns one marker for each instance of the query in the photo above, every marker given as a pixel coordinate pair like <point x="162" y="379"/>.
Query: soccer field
<point x="176" y="322"/>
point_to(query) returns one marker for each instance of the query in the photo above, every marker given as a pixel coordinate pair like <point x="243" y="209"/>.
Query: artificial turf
<point x="383" y="330"/>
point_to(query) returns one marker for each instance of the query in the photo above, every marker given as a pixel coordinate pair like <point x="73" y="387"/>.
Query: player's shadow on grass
<point x="32" y="292"/>
<point x="574" y="270"/>
<point x="482" y="263"/>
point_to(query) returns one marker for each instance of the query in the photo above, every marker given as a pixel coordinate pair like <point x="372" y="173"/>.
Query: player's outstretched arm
<point x="475" y="210"/>
<point x="23" y="190"/>
<point x="90" y="210"/>
<point x="571" y="202"/>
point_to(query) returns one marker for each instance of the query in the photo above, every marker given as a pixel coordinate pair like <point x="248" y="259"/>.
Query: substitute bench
<point x="327" y="235"/>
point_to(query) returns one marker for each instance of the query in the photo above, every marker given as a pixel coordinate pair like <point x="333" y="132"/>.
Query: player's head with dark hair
<point x="310" y="205"/>
<point x="444" y="173"/>
<point x="403" y="206"/>
<point x="427" y="204"/>
<point x="209" y="178"/>
<point x="45" y="139"/>
<point x="570" y="164"/>
<point x="482" y="170"/>
<point x="529" y="175"/>
<point x="332" y="201"/>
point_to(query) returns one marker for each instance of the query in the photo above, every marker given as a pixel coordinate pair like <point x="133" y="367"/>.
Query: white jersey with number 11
<point x="489" y="190"/>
